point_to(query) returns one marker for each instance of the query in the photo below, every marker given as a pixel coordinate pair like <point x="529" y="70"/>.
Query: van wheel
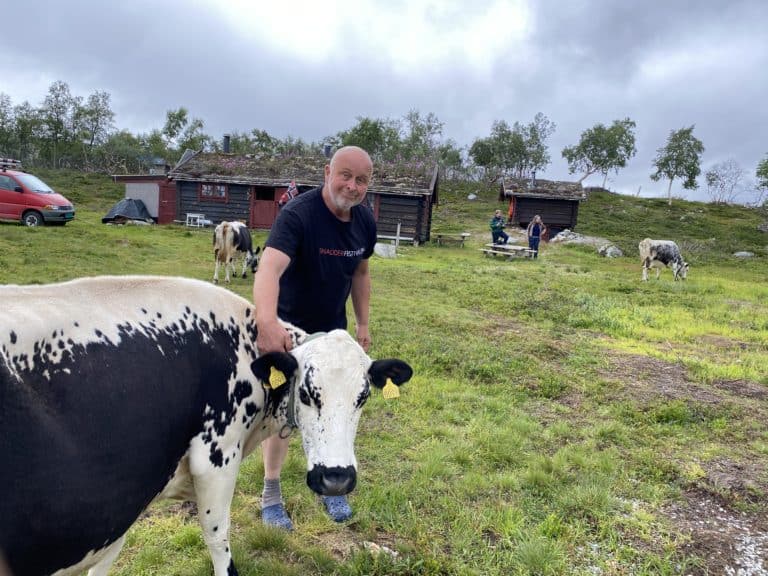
<point x="32" y="218"/>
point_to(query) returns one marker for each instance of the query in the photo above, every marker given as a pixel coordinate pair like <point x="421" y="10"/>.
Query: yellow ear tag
<point x="390" y="390"/>
<point x="276" y="378"/>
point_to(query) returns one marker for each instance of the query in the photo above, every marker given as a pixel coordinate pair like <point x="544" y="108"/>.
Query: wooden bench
<point x="509" y="250"/>
<point x="395" y="238"/>
<point x="195" y="220"/>
<point x="488" y="252"/>
<point x="442" y="238"/>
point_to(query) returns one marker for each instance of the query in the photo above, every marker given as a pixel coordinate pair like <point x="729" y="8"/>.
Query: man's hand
<point x="273" y="337"/>
<point x="363" y="336"/>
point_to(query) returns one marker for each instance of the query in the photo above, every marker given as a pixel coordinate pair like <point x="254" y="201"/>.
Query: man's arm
<point x="361" y="297"/>
<point x="272" y="336"/>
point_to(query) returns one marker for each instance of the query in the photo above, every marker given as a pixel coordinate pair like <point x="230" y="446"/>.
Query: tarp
<point x="128" y="209"/>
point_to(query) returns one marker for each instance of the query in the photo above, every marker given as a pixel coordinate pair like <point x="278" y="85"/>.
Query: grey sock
<point x="271" y="494"/>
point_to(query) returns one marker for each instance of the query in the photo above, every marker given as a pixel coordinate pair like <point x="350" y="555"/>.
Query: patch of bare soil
<point x="727" y="540"/>
<point x="340" y="542"/>
<point x="343" y="542"/>
<point x="646" y="379"/>
<point x="742" y="388"/>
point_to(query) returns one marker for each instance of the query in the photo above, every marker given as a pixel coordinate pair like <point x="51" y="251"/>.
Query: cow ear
<point x="258" y="249"/>
<point x="283" y="362"/>
<point x="391" y="368"/>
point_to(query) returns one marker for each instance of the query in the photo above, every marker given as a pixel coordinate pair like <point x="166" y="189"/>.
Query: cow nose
<point x="332" y="481"/>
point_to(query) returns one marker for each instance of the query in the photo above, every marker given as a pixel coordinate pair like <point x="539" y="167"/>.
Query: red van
<point x="27" y="199"/>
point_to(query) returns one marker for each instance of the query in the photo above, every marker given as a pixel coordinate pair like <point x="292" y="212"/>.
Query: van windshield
<point x="35" y="184"/>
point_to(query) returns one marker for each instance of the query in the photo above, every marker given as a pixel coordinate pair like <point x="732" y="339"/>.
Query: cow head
<point x="680" y="270"/>
<point x="331" y="383"/>
<point x="252" y="259"/>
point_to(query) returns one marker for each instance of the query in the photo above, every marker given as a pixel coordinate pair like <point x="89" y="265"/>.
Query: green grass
<point x="557" y="405"/>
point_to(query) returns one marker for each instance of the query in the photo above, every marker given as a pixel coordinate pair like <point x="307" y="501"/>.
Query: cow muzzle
<point x="333" y="481"/>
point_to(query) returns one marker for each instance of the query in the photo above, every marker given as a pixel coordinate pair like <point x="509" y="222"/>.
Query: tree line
<point x="66" y="130"/>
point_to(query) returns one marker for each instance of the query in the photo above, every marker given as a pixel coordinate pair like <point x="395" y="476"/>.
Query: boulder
<point x="610" y="251"/>
<point x="385" y="250"/>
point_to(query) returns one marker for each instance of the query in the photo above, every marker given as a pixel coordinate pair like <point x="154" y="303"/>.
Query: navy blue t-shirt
<point x="325" y="253"/>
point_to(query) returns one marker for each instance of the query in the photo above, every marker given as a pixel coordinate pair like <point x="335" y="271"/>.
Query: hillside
<point x="705" y="231"/>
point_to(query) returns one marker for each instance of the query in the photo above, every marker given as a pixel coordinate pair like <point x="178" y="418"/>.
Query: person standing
<point x="315" y="257"/>
<point x="498" y="236"/>
<point x="536" y="230"/>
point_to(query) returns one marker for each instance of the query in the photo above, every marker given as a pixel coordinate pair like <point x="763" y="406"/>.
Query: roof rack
<point x="10" y="163"/>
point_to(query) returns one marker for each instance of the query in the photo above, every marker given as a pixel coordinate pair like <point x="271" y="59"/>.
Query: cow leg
<point x="645" y="270"/>
<point x="214" y="491"/>
<point x="216" y="273"/>
<point x="101" y="568"/>
<point x="658" y="272"/>
<point x="246" y="261"/>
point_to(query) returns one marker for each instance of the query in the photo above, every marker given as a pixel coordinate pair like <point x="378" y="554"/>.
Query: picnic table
<point x="445" y="237"/>
<point x="508" y="250"/>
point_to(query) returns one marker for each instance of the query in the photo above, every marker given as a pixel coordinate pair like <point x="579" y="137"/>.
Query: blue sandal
<point x="337" y="507"/>
<point x="276" y="517"/>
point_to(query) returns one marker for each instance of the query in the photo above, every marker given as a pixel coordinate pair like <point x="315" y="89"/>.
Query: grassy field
<point x="564" y="417"/>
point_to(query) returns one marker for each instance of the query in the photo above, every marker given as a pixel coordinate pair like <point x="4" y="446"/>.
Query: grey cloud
<point x="581" y="66"/>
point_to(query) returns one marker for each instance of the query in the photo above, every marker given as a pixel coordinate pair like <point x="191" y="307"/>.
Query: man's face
<point x="347" y="178"/>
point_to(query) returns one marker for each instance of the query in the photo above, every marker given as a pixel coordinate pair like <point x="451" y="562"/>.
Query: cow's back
<point x="103" y="383"/>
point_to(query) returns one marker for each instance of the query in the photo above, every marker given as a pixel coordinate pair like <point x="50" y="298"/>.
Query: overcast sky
<point x="309" y="69"/>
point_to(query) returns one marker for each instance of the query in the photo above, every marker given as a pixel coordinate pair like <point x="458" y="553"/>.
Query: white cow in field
<point x="117" y="391"/>
<point x="659" y="254"/>
<point x="229" y="238"/>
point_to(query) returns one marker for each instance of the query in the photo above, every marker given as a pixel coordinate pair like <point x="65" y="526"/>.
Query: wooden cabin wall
<point x="426" y="218"/>
<point x="556" y="214"/>
<point x="404" y="209"/>
<point x="236" y="207"/>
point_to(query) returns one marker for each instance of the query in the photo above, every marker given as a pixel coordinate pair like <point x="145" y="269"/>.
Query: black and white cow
<point x="229" y="238"/>
<point x="661" y="253"/>
<point x="116" y="391"/>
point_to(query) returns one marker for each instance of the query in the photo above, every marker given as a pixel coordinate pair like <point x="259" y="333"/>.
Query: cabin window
<point x="214" y="192"/>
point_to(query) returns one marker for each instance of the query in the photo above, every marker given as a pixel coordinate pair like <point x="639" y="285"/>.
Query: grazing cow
<point x="229" y="238"/>
<point x="661" y="253"/>
<point x="116" y="391"/>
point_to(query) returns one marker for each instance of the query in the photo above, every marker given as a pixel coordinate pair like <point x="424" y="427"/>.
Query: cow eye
<point x="304" y="396"/>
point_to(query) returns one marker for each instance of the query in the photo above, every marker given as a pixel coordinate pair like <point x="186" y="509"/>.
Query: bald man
<point x="316" y="256"/>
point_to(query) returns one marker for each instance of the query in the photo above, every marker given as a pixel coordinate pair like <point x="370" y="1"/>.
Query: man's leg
<point x="273" y="513"/>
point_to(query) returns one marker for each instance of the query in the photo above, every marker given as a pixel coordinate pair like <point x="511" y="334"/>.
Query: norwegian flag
<point x="288" y="194"/>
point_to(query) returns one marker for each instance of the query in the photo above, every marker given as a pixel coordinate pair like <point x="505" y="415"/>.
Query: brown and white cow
<point x="661" y="253"/>
<point x="229" y="238"/>
<point x="117" y="391"/>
